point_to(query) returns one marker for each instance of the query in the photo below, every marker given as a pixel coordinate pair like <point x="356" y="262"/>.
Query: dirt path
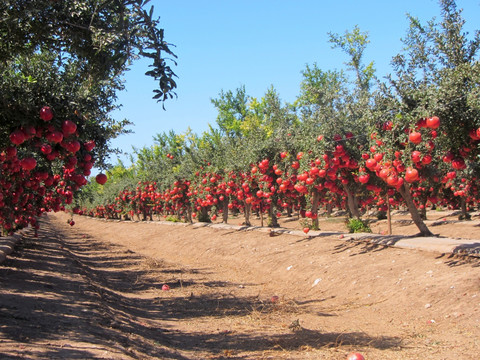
<point x="94" y="291"/>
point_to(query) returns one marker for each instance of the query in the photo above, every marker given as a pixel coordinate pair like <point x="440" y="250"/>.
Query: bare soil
<point x="94" y="291"/>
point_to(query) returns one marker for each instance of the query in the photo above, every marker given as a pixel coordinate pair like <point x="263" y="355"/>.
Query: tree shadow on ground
<point x="461" y="258"/>
<point x="62" y="296"/>
<point x="361" y="247"/>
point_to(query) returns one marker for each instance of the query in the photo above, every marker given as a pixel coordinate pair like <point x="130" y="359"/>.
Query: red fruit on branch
<point x="89" y="145"/>
<point x="392" y="180"/>
<point x="46" y="113"/>
<point x="448" y="157"/>
<point x="416" y="156"/>
<point x="411" y="175"/>
<point x="101" y="178"/>
<point x="400" y="167"/>
<point x="384" y="173"/>
<point x="264" y="164"/>
<point x="458" y="163"/>
<point x="371" y="163"/>
<point x="433" y="122"/>
<point x="11" y="152"/>
<point x="52" y="156"/>
<point x="46" y="149"/>
<point x="415" y="137"/>
<point x="55" y="136"/>
<point x="364" y="178"/>
<point x="17" y="137"/>
<point x="29" y="132"/>
<point x="28" y="163"/>
<point x="451" y="175"/>
<point x="387" y="125"/>
<point x="69" y="127"/>
<point x="378" y="157"/>
<point x="72" y="146"/>
<point x="473" y="134"/>
<point x="422" y="123"/>
<point x="427" y="159"/>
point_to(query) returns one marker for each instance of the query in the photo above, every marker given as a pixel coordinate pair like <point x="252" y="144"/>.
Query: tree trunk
<point x="315" y="202"/>
<point x="423" y="210"/>
<point x="261" y="213"/>
<point x="289" y="211"/>
<point x="329" y="209"/>
<point x="225" y="210"/>
<point x="303" y="204"/>
<point x="248" y="208"/>
<point x="273" y="222"/>
<point x="189" y="214"/>
<point x="352" y="202"/>
<point x="203" y="217"/>
<point x="404" y="191"/>
<point x="463" y="206"/>
<point x="389" y="216"/>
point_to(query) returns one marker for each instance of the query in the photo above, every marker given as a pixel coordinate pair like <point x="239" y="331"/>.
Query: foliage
<point x="357" y="226"/>
<point x="172" y="218"/>
<point x="61" y="64"/>
<point x="102" y="37"/>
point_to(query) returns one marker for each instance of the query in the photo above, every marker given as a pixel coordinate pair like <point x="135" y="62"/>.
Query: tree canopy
<point x="61" y="66"/>
<point x="70" y="56"/>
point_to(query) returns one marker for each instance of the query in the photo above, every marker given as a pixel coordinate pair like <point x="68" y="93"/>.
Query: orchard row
<point x="352" y="142"/>
<point x="332" y="174"/>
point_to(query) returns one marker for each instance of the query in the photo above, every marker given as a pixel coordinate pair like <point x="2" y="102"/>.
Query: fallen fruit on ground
<point x="355" y="356"/>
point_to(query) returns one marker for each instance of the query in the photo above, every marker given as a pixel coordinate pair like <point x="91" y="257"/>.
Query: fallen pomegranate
<point x="355" y="356"/>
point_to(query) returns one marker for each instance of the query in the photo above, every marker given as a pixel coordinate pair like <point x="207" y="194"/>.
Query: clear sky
<point x="224" y="44"/>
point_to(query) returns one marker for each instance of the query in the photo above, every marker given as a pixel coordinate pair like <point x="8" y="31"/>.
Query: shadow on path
<point x="65" y="295"/>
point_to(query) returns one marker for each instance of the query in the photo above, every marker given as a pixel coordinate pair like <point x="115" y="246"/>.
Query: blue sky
<point x="222" y="45"/>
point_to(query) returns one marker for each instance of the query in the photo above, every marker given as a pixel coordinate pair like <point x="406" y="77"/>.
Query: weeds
<point x="357" y="226"/>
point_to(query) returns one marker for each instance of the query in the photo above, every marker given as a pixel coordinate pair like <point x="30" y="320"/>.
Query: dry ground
<point x="94" y="291"/>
